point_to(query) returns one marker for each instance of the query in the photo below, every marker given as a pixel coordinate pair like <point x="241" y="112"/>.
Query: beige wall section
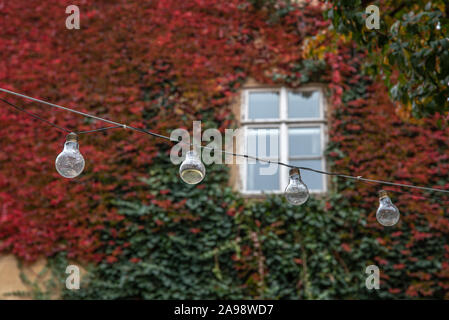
<point x="234" y="177"/>
<point x="10" y="276"/>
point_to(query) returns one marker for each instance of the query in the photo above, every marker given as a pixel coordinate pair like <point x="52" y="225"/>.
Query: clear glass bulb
<point x="387" y="214"/>
<point x="296" y="192"/>
<point x="192" y="170"/>
<point x="70" y="162"/>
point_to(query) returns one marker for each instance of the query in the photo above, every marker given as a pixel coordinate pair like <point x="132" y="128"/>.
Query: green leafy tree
<point x="410" y="49"/>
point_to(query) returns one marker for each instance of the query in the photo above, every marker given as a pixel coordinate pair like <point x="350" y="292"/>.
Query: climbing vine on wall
<point x="141" y="232"/>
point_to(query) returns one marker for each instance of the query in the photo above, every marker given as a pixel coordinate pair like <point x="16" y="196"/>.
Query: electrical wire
<point x="54" y="124"/>
<point x="98" y="130"/>
<point x="402" y="193"/>
<point x="35" y="116"/>
<point x="121" y="125"/>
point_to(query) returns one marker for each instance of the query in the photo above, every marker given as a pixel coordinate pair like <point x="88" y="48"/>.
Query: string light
<point x="296" y="192"/>
<point x="192" y="170"/>
<point x="70" y="162"/>
<point x="387" y="214"/>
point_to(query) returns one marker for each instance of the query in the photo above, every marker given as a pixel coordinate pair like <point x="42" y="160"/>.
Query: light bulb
<point x="192" y="170"/>
<point x="296" y="191"/>
<point x="387" y="214"/>
<point x="70" y="162"/>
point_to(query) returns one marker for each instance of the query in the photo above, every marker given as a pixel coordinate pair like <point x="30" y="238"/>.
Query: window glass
<point x="304" y="142"/>
<point x="263" y="142"/>
<point x="313" y="180"/>
<point x="258" y="180"/>
<point x="263" y="105"/>
<point x="305" y="104"/>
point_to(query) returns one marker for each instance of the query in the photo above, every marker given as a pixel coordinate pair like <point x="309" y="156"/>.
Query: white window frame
<point x="283" y="123"/>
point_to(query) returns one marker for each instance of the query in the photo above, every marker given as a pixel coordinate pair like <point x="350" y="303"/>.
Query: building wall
<point x="10" y="280"/>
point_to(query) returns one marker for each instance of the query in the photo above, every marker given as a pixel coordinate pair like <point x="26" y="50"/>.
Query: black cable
<point x="34" y="115"/>
<point x="356" y="178"/>
<point x="54" y="124"/>
<point x="98" y="130"/>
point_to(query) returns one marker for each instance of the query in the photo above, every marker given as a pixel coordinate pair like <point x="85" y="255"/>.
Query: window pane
<point x="313" y="180"/>
<point x="304" y="104"/>
<point x="260" y="180"/>
<point x="304" y="142"/>
<point x="263" y="105"/>
<point x="263" y="142"/>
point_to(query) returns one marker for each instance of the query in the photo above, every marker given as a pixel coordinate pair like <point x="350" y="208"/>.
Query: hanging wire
<point x="402" y="193"/>
<point x="54" y="124"/>
<point x="121" y="125"/>
<point x="98" y="130"/>
<point x="34" y="116"/>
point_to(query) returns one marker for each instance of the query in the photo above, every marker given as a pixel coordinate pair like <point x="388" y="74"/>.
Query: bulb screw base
<point x="383" y="194"/>
<point x="294" y="171"/>
<point x="72" y="137"/>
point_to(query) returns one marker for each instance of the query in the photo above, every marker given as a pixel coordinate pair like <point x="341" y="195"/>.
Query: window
<point x="283" y="125"/>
